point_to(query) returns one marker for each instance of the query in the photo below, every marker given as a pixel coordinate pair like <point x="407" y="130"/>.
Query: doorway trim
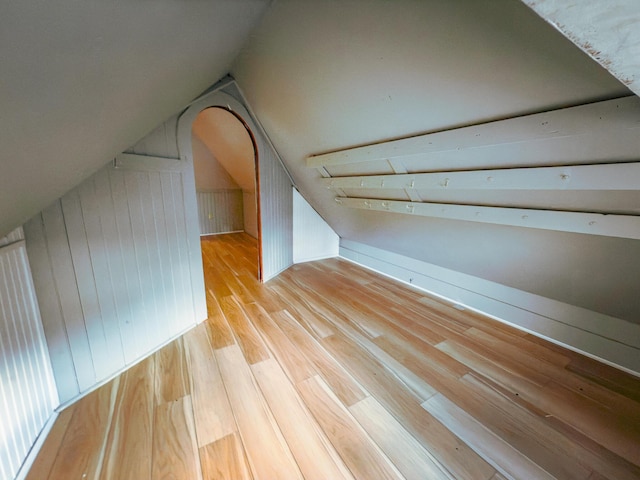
<point x="223" y="100"/>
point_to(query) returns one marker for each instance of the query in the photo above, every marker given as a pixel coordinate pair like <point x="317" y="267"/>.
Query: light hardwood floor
<point x="330" y="371"/>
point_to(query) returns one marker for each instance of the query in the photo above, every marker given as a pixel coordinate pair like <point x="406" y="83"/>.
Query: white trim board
<point x="609" y="176"/>
<point x="146" y="163"/>
<point x="608" y="339"/>
<point x="608" y="225"/>
<point x="589" y="125"/>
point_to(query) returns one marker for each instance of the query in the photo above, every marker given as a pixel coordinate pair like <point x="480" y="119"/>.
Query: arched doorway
<point x="274" y="185"/>
<point x="224" y="157"/>
<point x="217" y="132"/>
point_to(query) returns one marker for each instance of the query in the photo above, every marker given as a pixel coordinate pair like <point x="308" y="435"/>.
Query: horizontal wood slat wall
<point x="507" y="217"/>
<point x="330" y="371"/>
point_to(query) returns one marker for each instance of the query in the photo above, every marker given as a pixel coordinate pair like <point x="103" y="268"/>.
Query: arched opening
<point x="273" y="187"/>
<point x="225" y="167"/>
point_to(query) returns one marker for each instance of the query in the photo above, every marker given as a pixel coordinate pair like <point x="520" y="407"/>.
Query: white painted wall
<point x="27" y="391"/>
<point x="217" y="130"/>
<point x="313" y="239"/>
<point x="220" y="198"/>
<point x="117" y="269"/>
<point x="229" y="142"/>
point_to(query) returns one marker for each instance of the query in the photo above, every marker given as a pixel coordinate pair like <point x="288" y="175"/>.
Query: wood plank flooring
<point x="332" y="372"/>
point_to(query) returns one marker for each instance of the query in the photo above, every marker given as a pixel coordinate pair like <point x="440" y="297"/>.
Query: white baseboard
<point x="314" y="259"/>
<point x="608" y="339"/>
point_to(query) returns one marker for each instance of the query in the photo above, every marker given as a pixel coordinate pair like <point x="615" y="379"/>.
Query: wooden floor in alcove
<point x="330" y="371"/>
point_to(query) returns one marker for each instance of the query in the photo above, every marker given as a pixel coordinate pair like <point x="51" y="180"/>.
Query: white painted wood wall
<point x="276" y="198"/>
<point x="117" y="263"/>
<point x="220" y="211"/>
<point x="27" y="391"/>
<point x="313" y="238"/>
<point x="276" y="214"/>
<point x="250" y="213"/>
<point x="117" y="268"/>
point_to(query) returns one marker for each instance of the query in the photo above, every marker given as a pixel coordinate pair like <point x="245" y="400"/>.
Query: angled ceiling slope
<point x="82" y="81"/>
<point x="607" y="30"/>
<point x="327" y="76"/>
<point x="230" y="144"/>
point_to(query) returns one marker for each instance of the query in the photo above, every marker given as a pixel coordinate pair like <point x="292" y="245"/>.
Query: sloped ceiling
<point x="229" y="143"/>
<point x="324" y="76"/>
<point x="82" y="81"/>
<point x="607" y="30"/>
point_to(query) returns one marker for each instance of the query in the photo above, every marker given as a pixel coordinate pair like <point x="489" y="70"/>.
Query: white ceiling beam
<point x="621" y="226"/>
<point x="616" y="176"/>
<point x="606" y="30"/>
<point x="613" y="122"/>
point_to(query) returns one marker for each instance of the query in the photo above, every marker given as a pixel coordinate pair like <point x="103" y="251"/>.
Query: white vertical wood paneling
<point x="160" y="142"/>
<point x="193" y="250"/>
<point x="50" y="289"/>
<point x="220" y="211"/>
<point x="276" y="212"/>
<point x="313" y="238"/>
<point x="68" y="305"/>
<point x="250" y="213"/>
<point x="113" y="272"/>
<point x="276" y="198"/>
<point x="27" y="390"/>
<point x="76" y="237"/>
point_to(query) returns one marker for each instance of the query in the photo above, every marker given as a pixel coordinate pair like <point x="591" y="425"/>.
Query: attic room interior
<point x="320" y="239"/>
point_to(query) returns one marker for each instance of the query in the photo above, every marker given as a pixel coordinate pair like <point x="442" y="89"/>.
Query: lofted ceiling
<point x="322" y="76"/>
<point x="82" y="81"/>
